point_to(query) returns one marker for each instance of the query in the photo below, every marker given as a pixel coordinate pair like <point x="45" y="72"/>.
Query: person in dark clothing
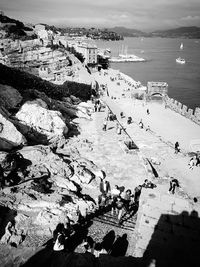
<point x="176" y="148"/>
<point x="104" y="186"/>
<point x="126" y="197"/>
<point x="122" y="115"/>
<point x="197" y="161"/>
<point x="138" y="191"/>
<point x="173" y="184"/>
<point x="129" y="120"/>
<point x="148" y="113"/>
<point x="104" y="128"/>
<point x="2" y="183"/>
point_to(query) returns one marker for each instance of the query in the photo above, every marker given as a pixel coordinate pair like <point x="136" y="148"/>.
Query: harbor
<point x="99" y="156"/>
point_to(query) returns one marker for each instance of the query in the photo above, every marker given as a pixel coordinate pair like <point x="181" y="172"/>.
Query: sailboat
<point x="179" y="59"/>
<point x="125" y="57"/>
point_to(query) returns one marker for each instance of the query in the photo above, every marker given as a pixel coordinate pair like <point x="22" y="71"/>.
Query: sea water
<point x="161" y="54"/>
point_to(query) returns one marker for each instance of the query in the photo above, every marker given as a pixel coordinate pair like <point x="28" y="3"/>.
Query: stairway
<point x="126" y="224"/>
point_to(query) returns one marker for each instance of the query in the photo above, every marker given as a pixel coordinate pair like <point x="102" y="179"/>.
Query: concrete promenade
<point x="167" y="127"/>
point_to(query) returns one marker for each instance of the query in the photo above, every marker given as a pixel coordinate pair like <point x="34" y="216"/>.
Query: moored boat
<point x="180" y="60"/>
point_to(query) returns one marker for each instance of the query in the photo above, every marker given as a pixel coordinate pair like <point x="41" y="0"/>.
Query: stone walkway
<point x="152" y="146"/>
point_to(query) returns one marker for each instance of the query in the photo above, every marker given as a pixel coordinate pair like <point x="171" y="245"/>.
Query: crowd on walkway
<point x="120" y="201"/>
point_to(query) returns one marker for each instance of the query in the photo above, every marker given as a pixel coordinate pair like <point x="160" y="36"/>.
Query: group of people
<point x="121" y="201"/>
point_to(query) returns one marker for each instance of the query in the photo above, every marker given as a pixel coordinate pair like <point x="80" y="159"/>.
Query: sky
<point x="146" y="15"/>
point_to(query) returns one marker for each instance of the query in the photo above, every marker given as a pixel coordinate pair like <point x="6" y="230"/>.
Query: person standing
<point x="104" y="186"/>
<point x="173" y="184"/>
<point x="105" y="125"/>
<point x="176" y="147"/>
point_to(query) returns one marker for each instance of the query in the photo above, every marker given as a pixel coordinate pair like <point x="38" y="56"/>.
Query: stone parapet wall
<point x="178" y="107"/>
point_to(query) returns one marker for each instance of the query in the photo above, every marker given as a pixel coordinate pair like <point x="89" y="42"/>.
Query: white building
<point x="89" y="52"/>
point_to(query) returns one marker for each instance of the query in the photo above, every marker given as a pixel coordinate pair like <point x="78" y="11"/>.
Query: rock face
<point x="10" y="137"/>
<point x="9" y="97"/>
<point x="39" y="124"/>
<point x="43" y="156"/>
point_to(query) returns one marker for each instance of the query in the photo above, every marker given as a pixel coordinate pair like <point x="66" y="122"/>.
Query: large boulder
<point x="39" y="124"/>
<point x="42" y="155"/>
<point x="9" y="96"/>
<point x="10" y="137"/>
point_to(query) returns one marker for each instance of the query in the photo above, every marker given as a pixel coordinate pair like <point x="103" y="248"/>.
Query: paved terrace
<point x="167" y="126"/>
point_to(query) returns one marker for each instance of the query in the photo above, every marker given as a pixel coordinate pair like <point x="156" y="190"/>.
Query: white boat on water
<point x="180" y="60"/>
<point x="125" y="57"/>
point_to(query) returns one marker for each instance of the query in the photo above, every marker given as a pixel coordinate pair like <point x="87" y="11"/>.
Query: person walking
<point x="105" y="125"/>
<point x="176" y="147"/>
<point x="173" y="185"/>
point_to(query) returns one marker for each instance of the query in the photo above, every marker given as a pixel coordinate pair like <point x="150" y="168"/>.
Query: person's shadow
<point x="108" y="240"/>
<point x="120" y="246"/>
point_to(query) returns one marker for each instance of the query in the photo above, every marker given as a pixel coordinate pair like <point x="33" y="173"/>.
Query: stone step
<point x="110" y="219"/>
